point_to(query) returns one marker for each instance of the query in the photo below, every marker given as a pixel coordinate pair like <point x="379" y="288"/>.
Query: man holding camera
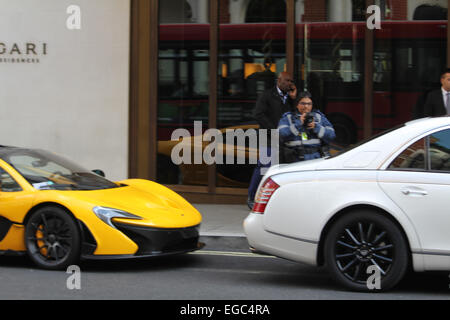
<point x="304" y="134"/>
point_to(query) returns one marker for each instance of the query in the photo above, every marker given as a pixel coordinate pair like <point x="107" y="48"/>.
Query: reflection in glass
<point x="266" y="11"/>
<point x="251" y="55"/>
<point x="408" y="59"/>
<point x="183" y="84"/>
<point x="249" y="62"/>
<point x="47" y="171"/>
<point x="329" y="64"/>
<point x="413" y="157"/>
<point x="440" y="151"/>
<point x="7" y="183"/>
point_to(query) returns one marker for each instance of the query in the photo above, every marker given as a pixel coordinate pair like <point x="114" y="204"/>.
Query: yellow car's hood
<point x="157" y="205"/>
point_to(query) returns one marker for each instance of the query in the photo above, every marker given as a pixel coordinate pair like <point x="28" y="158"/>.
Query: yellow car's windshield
<point x="47" y="171"/>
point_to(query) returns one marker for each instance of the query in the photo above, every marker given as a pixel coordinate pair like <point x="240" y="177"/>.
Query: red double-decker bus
<point x="408" y="58"/>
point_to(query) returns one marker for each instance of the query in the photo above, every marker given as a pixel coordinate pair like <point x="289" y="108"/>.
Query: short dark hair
<point x="445" y="71"/>
<point x="302" y="95"/>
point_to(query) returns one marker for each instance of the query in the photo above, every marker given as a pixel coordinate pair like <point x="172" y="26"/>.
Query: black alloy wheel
<point x="52" y="238"/>
<point x="362" y="245"/>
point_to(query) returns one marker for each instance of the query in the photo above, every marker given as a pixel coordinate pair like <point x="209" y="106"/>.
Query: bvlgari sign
<point x="25" y="52"/>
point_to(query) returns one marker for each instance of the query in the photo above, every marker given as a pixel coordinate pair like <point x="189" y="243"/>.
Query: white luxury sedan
<point x="372" y="211"/>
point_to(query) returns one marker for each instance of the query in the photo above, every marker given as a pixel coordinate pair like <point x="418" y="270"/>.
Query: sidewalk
<point x="222" y="220"/>
<point x="221" y="228"/>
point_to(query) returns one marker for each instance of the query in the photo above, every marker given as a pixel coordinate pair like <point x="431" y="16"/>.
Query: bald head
<point x="284" y="75"/>
<point x="285" y="81"/>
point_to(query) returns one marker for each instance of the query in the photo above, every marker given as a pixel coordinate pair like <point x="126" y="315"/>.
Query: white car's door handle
<point x="414" y="191"/>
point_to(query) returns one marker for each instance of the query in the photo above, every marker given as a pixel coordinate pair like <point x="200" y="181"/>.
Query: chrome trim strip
<point x="433" y="253"/>
<point x="293" y="238"/>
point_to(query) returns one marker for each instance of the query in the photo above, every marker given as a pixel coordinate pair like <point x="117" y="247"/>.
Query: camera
<point x="309" y="118"/>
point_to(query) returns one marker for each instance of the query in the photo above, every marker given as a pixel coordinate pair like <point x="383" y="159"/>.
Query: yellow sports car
<point x="58" y="212"/>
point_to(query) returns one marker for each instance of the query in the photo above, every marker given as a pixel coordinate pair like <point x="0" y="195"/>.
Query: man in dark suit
<point x="270" y="106"/>
<point x="438" y="101"/>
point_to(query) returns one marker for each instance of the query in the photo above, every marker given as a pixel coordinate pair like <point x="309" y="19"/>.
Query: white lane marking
<point x="232" y="254"/>
<point x="239" y="271"/>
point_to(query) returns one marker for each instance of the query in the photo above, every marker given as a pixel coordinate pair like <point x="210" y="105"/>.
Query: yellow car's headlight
<point x="106" y="214"/>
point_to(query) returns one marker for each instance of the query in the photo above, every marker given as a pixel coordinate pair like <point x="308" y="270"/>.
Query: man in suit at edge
<point x="438" y="101"/>
<point x="270" y="106"/>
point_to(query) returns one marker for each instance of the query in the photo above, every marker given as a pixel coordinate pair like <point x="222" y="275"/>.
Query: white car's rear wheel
<point x="366" y="251"/>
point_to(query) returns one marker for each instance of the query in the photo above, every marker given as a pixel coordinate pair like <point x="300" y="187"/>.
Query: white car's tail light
<point x="263" y="196"/>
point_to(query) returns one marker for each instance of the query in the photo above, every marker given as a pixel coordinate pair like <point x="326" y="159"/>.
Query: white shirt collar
<point x="281" y="92"/>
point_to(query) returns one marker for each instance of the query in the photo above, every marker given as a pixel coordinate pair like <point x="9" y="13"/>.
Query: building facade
<point x="65" y="88"/>
<point x="111" y="91"/>
<point x="216" y="57"/>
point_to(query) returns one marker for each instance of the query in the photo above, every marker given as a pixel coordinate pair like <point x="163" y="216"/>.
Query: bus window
<point x="246" y="69"/>
<point x="408" y="58"/>
<point x="200" y="72"/>
<point x="329" y="62"/>
<point x="382" y="69"/>
<point x="337" y="65"/>
<point x="173" y="73"/>
<point x="333" y="73"/>
<point x="247" y="72"/>
<point x="418" y="64"/>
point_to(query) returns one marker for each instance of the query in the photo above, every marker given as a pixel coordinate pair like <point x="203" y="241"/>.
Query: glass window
<point x="178" y="11"/>
<point x="430" y="12"/>
<point x="329" y="62"/>
<point x="249" y="61"/>
<point x="252" y="52"/>
<point x="413" y="157"/>
<point x="7" y="183"/>
<point x="183" y="86"/>
<point x="46" y="170"/>
<point x="358" y="10"/>
<point x="266" y="11"/>
<point x="416" y="157"/>
<point x="440" y="151"/>
<point x="409" y="55"/>
<point x="407" y="60"/>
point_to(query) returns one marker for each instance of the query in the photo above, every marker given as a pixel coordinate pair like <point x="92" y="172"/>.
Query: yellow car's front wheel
<point x="52" y="238"/>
